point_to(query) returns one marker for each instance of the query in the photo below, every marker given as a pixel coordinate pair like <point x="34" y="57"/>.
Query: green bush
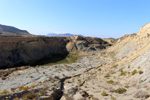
<point x="120" y="90"/>
<point x="122" y="72"/>
<point x="140" y="81"/>
<point x="134" y="72"/>
<point x="110" y="82"/>
<point x="129" y="66"/>
<point x="139" y="67"/>
<point x="113" y="72"/>
<point x="104" y="93"/>
<point x="127" y="86"/>
<point x="99" y="69"/>
<point x="140" y="72"/>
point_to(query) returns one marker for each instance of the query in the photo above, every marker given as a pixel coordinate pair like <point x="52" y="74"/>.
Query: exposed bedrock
<point x="18" y="51"/>
<point x="78" y="43"/>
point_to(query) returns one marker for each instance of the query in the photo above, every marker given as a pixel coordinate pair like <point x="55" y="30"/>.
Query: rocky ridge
<point x="9" y="30"/>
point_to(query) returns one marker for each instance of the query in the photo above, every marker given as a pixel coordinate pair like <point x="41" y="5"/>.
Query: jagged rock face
<point x="18" y="51"/>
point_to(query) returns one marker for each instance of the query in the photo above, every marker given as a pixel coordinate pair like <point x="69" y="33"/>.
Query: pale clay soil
<point x="89" y="74"/>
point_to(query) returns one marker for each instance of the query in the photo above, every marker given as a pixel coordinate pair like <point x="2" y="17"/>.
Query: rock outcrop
<point x="144" y="31"/>
<point x="78" y="43"/>
<point x="16" y="51"/>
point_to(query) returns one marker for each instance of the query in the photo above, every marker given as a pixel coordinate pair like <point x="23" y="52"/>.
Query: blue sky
<point x="98" y="18"/>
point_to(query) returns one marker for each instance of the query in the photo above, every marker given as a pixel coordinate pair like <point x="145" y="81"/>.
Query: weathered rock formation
<point x="16" y="51"/>
<point x="144" y="31"/>
<point x="78" y="43"/>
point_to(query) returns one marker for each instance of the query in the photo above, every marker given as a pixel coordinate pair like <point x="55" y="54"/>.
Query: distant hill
<point x="10" y="30"/>
<point x="60" y="35"/>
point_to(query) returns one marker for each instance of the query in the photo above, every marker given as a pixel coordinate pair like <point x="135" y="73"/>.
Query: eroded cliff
<point x="16" y="51"/>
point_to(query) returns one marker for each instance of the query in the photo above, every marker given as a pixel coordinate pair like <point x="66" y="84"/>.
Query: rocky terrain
<point x="9" y="30"/>
<point x="18" y="51"/>
<point x="120" y="72"/>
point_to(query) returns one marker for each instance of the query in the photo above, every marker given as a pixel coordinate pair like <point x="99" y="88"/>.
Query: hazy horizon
<point x="97" y="18"/>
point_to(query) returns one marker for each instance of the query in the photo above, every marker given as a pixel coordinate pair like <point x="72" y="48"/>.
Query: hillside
<point x="18" y="51"/>
<point x="130" y="65"/>
<point x="9" y="30"/>
<point x="118" y="72"/>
